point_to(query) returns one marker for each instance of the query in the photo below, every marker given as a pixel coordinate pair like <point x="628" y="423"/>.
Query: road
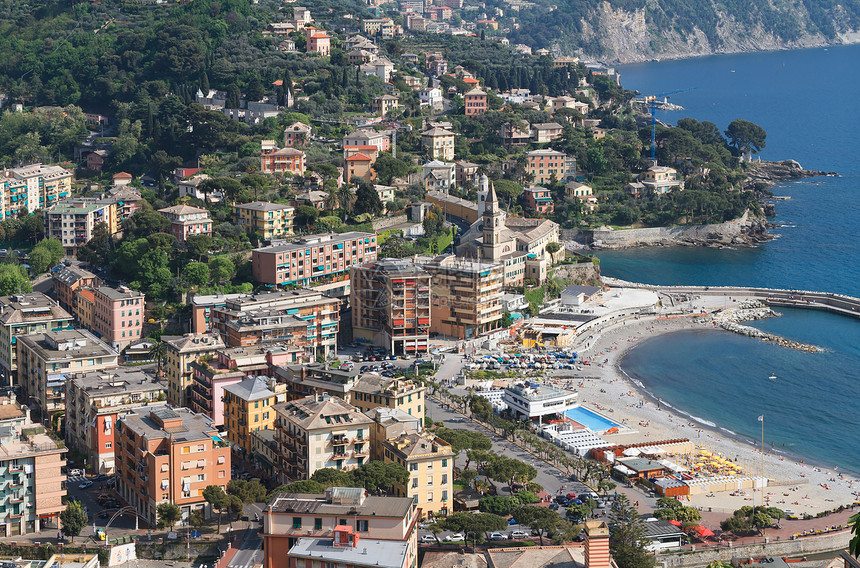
<point x="250" y="550"/>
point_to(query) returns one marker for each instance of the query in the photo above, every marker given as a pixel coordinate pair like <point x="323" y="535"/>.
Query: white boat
<point x="772" y="377"/>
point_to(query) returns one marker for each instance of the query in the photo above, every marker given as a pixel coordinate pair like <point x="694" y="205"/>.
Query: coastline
<point x="803" y="486"/>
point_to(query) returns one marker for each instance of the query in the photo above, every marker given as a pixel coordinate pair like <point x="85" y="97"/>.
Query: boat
<point x="772" y="377"/>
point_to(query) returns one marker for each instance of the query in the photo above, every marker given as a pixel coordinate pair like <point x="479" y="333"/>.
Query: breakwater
<point x="730" y="320"/>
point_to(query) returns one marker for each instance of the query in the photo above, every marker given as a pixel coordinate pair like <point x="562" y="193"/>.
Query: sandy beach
<point x="794" y="485"/>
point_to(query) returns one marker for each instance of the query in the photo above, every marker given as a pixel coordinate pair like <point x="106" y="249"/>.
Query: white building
<point x="431" y="96"/>
<point x="496" y="397"/>
<point x="531" y="400"/>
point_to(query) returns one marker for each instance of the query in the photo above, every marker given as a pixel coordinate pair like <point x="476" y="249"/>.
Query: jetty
<point x="776" y="297"/>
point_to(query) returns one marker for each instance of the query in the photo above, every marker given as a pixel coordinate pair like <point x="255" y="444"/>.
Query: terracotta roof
<point x="122" y="175"/>
<point x="359" y="158"/>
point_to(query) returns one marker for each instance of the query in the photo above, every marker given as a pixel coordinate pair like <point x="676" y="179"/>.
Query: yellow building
<point x="248" y="408"/>
<point x="373" y="391"/>
<point x="430" y="462"/>
<point x="181" y="352"/>
<point x="268" y="220"/>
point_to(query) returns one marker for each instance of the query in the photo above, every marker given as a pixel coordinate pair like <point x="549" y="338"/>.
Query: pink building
<point x="476" y="102"/>
<point x="118" y="315"/>
<point x="538" y="199"/>
<point x="186" y="221"/>
<point x="319" y="42"/>
<point x="207" y="387"/>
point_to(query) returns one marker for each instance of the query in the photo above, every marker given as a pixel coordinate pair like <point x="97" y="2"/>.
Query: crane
<point x="651" y="100"/>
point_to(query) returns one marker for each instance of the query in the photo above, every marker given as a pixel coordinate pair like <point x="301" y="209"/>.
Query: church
<point x="517" y="243"/>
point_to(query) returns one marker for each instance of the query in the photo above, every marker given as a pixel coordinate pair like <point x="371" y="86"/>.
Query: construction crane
<point x="651" y="101"/>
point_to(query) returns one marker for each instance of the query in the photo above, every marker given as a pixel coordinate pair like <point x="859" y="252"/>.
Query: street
<point x="250" y="551"/>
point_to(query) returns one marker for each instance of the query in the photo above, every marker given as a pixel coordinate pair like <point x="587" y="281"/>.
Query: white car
<point x="456" y="537"/>
<point x="519" y="534"/>
<point x="498" y="536"/>
<point x="85" y="484"/>
<point x="428" y="538"/>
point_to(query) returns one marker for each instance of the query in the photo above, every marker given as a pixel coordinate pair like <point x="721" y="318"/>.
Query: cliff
<point x="626" y="31"/>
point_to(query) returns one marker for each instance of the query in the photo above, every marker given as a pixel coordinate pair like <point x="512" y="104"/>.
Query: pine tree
<point x="204" y="83"/>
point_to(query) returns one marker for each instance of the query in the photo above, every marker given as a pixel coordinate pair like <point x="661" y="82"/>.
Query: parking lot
<point x="100" y="501"/>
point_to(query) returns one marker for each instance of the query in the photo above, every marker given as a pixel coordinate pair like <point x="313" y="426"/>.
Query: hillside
<point x="625" y="31"/>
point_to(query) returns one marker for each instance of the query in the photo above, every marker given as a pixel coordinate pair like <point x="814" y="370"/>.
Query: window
<point x="413" y="467"/>
<point x="201" y="477"/>
<point x="444" y="462"/>
<point x="429" y="480"/>
<point x="444" y="478"/>
<point x="414" y="482"/>
<point x="297" y="522"/>
<point x="445" y="495"/>
<point x="362" y="526"/>
<point x="108" y="445"/>
<point x="429" y="496"/>
<point x="318" y="524"/>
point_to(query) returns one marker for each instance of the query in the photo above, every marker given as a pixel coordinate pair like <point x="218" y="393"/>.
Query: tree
<point x="196" y="273"/>
<point x="480" y="406"/>
<point x="464" y="439"/>
<point x="235" y="506"/>
<point x="746" y="137"/>
<point x="199" y="245"/>
<point x="306" y="216"/>
<point x="388" y="167"/>
<point x="509" y="470"/>
<point x="168" y="514"/>
<point x="433" y="223"/>
<point x="197" y="519"/>
<point x="627" y="536"/>
<point x="158" y="352"/>
<point x="145" y="222"/>
<point x="468" y="476"/>
<point x="216" y="497"/>
<point x="473" y="523"/>
<point x="302" y="486"/>
<point x="73" y="519"/>
<point x="248" y="491"/>
<point x="541" y="519"/>
<point x="377" y="476"/>
<point x="330" y="477"/>
<point x="507" y="320"/>
<point x="367" y="200"/>
<point x="221" y="268"/>
<point x="14" y="280"/>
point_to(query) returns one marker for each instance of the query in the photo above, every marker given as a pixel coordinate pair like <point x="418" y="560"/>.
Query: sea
<point x="806" y="102"/>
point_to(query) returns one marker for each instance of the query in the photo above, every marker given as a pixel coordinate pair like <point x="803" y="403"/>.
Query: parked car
<point x="498" y="536"/>
<point x="553" y="507"/>
<point x="428" y="538"/>
<point x="512" y="521"/>
<point x="456" y="537"/>
<point x="85" y="484"/>
<point x="518" y="534"/>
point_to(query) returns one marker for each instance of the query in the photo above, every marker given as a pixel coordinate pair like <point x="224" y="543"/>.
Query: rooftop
<point x="537" y="557"/>
<point x="69" y="275"/>
<point x="587" y="290"/>
<point x="194" y="427"/>
<point x="536" y="392"/>
<point x="123" y="293"/>
<point x="182" y="210"/>
<point x="66" y="344"/>
<point x="251" y="389"/>
<point x="263" y="206"/>
<point x="383" y="553"/>
<point x="321" y="412"/>
<point x="193" y="342"/>
<point x="417" y="444"/>
<point x="315" y="240"/>
<point x="116" y="381"/>
<point x="334" y="503"/>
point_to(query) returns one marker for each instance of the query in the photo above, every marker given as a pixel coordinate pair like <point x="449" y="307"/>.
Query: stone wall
<point x="799" y="547"/>
<point x="385" y="222"/>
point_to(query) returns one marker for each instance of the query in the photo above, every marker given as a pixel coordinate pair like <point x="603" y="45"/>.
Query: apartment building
<point x="383" y="27"/>
<point x="661" y="179"/>
<point x="546" y="166"/>
<point x="243" y="320"/>
<point x="68" y="281"/>
<point x="118" y="315"/>
<point x="312" y="258"/>
<point x="208" y="380"/>
<point x="294" y="524"/>
<point x="374" y="391"/>
<point x="274" y="160"/>
<point x="546" y="132"/>
<point x="186" y="221"/>
<point x="390" y="302"/>
<point x="169" y="455"/>
<point x="368" y="137"/>
<point x="31" y="474"/>
<point x="438" y="143"/>
<point x="26" y="314"/>
<point x="538" y="199"/>
<point x="32" y="187"/>
<point x="297" y="134"/>
<point x="248" y="408"/>
<point x="314" y="378"/>
<point x="45" y="360"/>
<point x="475" y="102"/>
<point x="95" y="400"/>
<point x="360" y="165"/>
<point x="466" y="296"/>
<point x="384" y="104"/>
<point x="318" y="432"/>
<point x="430" y="462"/>
<point x="72" y="221"/>
<point x="267" y="220"/>
<point x="181" y="352"/>
<point x="389" y="423"/>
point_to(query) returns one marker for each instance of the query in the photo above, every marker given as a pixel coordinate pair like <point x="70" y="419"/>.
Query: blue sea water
<point x="804" y="100"/>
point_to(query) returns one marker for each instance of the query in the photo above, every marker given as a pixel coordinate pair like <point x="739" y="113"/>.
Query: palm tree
<point x="158" y="352"/>
<point x="345" y="198"/>
<point x="331" y="199"/>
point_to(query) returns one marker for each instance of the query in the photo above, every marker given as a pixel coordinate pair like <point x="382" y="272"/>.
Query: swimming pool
<point x="591" y="420"/>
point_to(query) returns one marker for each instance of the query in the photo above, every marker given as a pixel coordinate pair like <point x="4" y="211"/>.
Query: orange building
<point x="359" y="166"/>
<point x="68" y="281"/>
<point x="476" y="102"/>
<point x="169" y="455"/>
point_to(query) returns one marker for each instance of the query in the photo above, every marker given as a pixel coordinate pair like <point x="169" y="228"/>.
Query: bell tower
<point x="494" y="222"/>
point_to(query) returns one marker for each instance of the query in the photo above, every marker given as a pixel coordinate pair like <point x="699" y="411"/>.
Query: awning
<point x="676" y="523"/>
<point x="702" y="531"/>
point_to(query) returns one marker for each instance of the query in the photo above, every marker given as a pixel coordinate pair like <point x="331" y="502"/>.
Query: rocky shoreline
<point x="730" y="320"/>
<point x="772" y="173"/>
